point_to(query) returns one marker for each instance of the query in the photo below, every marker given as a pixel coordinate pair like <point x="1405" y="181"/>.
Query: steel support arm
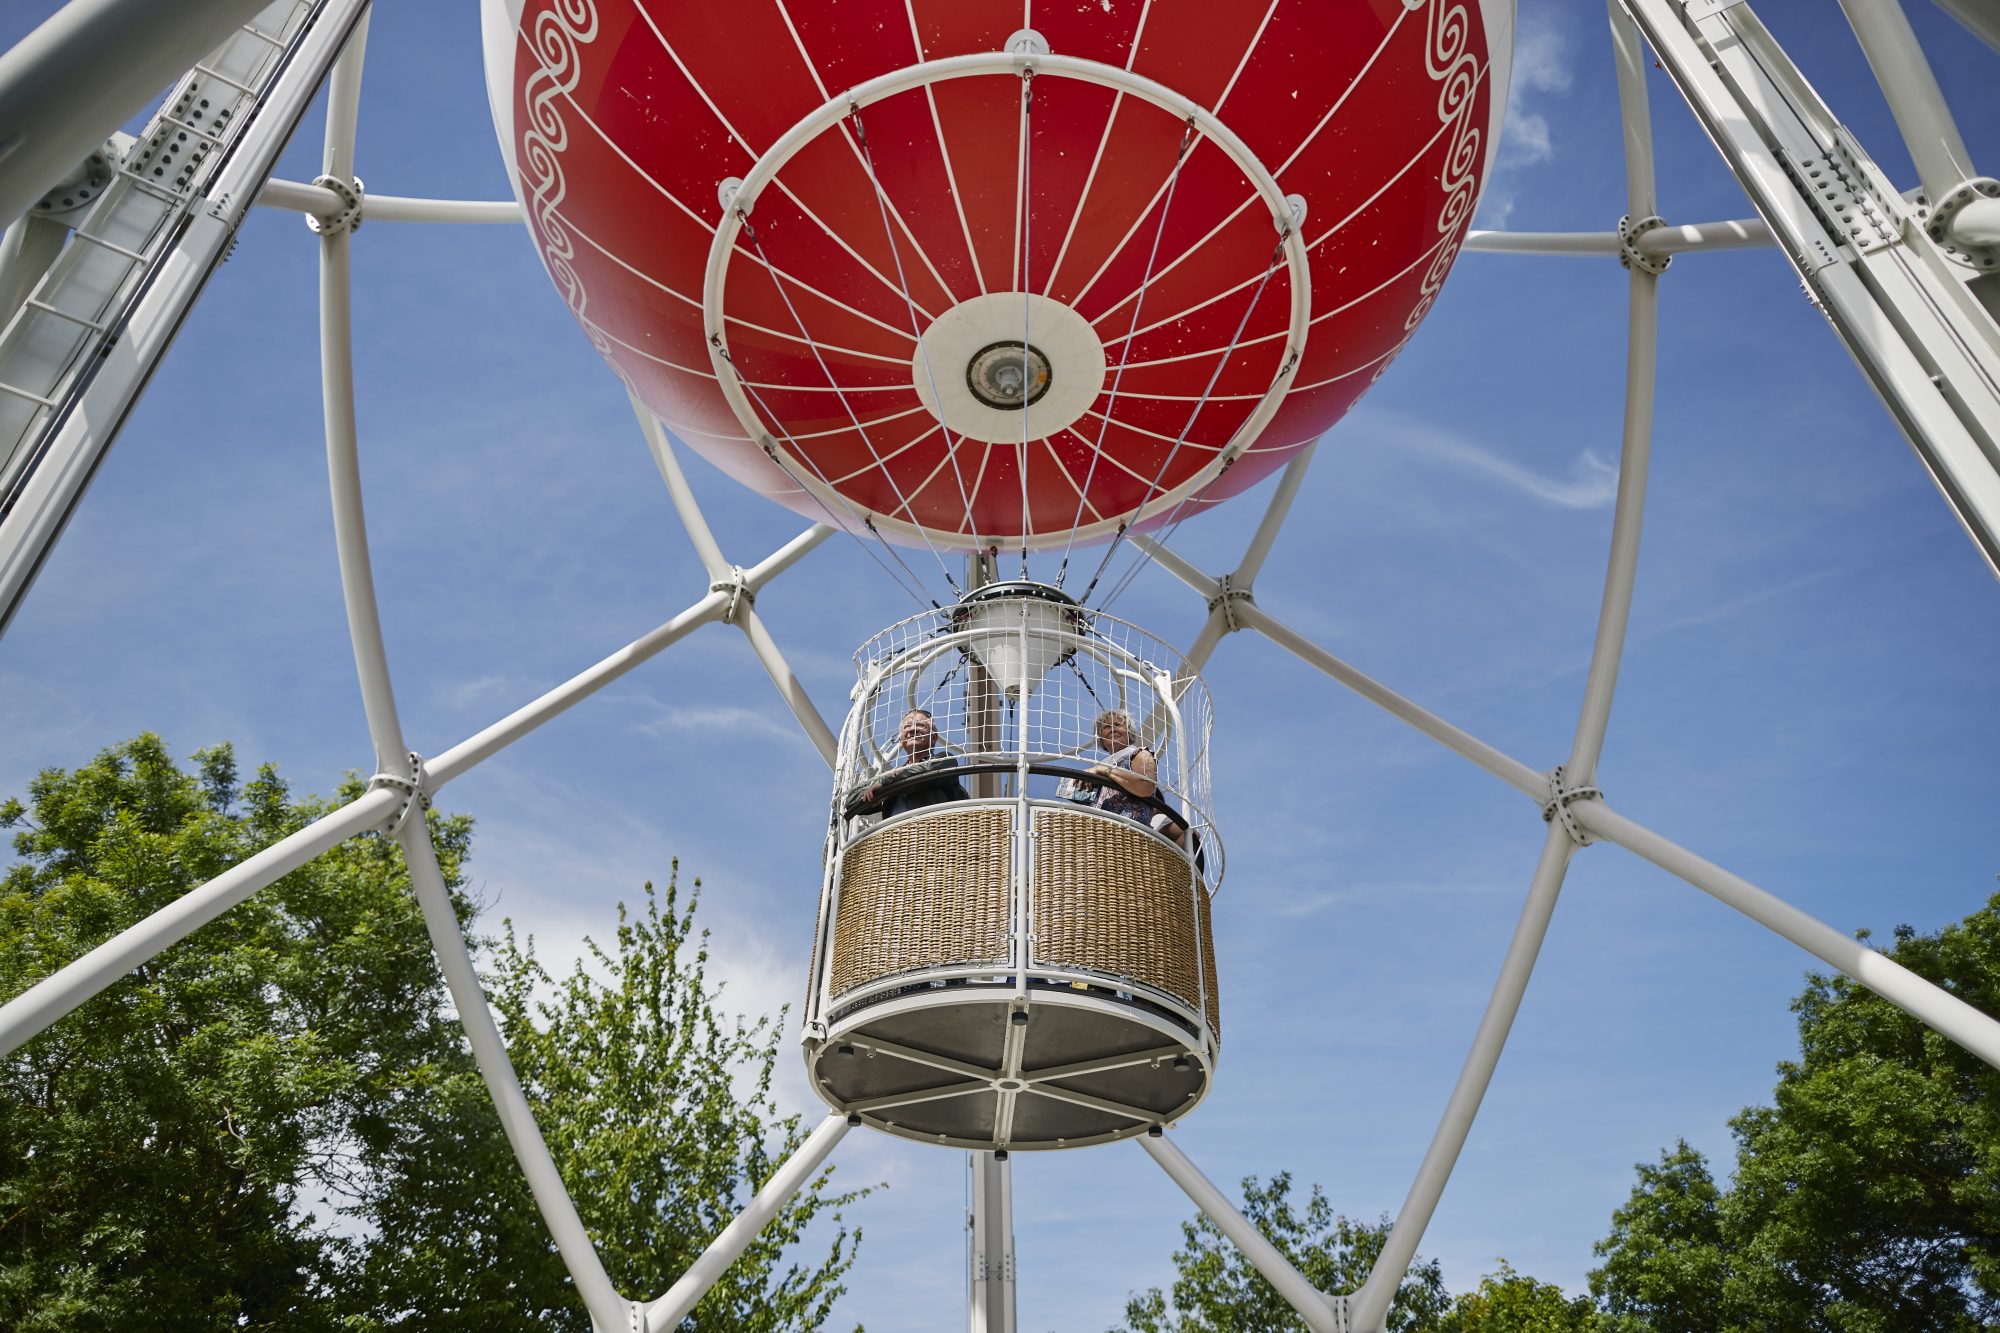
<point x="56" y="995"/>
<point x="1314" y="1306"/>
<point x="320" y="202"/>
<point x="1930" y="1004"/>
<point x="667" y="1312"/>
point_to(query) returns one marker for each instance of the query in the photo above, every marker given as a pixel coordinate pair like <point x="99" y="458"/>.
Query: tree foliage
<point x="1510" y="1302"/>
<point x="1217" y="1291"/>
<point x="1866" y="1197"/>
<point x="174" y="1153"/>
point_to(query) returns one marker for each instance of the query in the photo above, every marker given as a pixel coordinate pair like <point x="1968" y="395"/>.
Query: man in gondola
<point x="907" y="790"/>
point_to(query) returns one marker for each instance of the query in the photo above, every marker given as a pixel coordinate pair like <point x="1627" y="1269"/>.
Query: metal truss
<point x="1567" y="798"/>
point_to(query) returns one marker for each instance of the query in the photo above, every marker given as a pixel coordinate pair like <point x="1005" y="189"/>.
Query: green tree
<point x="1217" y="1291"/>
<point x="168" y="1152"/>
<point x="1866" y="1197"/>
<point x="1510" y="1302"/>
<point x="163" y="1148"/>
<point x="645" y="1092"/>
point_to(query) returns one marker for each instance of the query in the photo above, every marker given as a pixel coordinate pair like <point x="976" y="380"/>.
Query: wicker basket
<point x="1110" y="897"/>
<point x="931" y="891"/>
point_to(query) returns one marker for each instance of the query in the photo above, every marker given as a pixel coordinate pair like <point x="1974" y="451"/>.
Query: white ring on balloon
<point x="789" y="144"/>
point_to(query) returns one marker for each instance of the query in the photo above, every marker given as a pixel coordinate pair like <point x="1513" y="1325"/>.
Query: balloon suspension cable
<point x="1256" y="295"/>
<point x="778" y="282"/>
<point x="951" y="442"/>
<point x="1180" y="511"/>
<point x="1027" y="186"/>
<point x="854" y="514"/>
<point x="1188" y="136"/>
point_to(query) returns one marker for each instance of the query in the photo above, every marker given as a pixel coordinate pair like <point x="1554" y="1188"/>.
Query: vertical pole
<point x="992" y="1245"/>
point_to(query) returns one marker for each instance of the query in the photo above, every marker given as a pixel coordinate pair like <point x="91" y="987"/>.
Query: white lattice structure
<point x="1889" y="269"/>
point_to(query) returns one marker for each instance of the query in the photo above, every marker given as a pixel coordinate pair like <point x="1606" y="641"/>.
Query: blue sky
<point x="1807" y="696"/>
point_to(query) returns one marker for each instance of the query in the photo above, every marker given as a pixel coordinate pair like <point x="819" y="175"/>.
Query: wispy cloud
<point x="669" y="718"/>
<point x="1590" y="484"/>
<point x="1541" y="65"/>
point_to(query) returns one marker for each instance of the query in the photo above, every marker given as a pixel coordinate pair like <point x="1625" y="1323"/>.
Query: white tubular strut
<point x="1322" y="1313"/>
<point x="666" y="1313"/>
<point x="1574" y="781"/>
<point x="609" y="1312"/>
<point x="1939" y="1008"/>
<point x="53" y="996"/>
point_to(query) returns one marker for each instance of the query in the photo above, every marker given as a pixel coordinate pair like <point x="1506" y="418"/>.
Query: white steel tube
<point x="789" y="688"/>
<point x="66" y="86"/>
<point x="608" y="1310"/>
<point x="1975" y="1031"/>
<point x="698" y="531"/>
<point x="1731" y="234"/>
<point x="1641" y="340"/>
<point x="1370" y="1305"/>
<point x="484" y="744"/>
<point x="1167" y="558"/>
<point x="782" y="559"/>
<point x="1601" y="244"/>
<point x="336" y="359"/>
<point x="343" y="103"/>
<point x="1912" y="91"/>
<point x="1629" y="59"/>
<point x="992" y="1278"/>
<point x="1508" y="769"/>
<point x="667" y="1312"/>
<point x="1615" y="610"/>
<point x="1259" y="549"/>
<point x="295" y="196"/>
<point x="1312" y="1304"/>
<point x="53" y="996"/>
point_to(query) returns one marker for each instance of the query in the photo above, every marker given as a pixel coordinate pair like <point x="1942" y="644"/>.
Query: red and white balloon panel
<point x="874" y="304"/>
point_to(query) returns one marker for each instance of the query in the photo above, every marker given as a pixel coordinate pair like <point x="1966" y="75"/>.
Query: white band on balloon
<point x="744" y="199"/>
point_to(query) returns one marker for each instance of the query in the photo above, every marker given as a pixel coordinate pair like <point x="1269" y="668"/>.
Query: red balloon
<point x="875" y="302"/>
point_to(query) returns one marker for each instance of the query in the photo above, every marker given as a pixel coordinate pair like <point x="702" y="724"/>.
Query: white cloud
<point x="1591" y="481"/>
<point x="1541" y="65"/>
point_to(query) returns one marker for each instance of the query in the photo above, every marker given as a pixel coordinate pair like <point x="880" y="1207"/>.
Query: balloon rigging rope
<point x="1174" y="518"/>
<point x="840" y="393"/>
<point x="1256" y="295"/>
<point x="951" y="443"/>
<point x="1138" y="304"/>
<point x="764" y="410"/>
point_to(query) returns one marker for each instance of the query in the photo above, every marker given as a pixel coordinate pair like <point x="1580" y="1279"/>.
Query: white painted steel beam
<point x="1665" y="242"/>
<point x="73" y="443"/>
<point x="667" y="1312"/>
<point x="609" y="1312"/>
<point x="1915" y="101"/>
<point x="56" y="995"/>
<point x="1321" y="1312"/>
<point x="991" y="1276"/>
<point x="320" y="202"/>
<point x="69" y="84"/>
<point x="1896" y="296"/>
<point x="1930" y="1004"/>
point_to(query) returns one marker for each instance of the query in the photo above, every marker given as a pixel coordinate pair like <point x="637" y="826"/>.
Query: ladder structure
<point x="152" y="219"/>
<point x="1910" y="281"/>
